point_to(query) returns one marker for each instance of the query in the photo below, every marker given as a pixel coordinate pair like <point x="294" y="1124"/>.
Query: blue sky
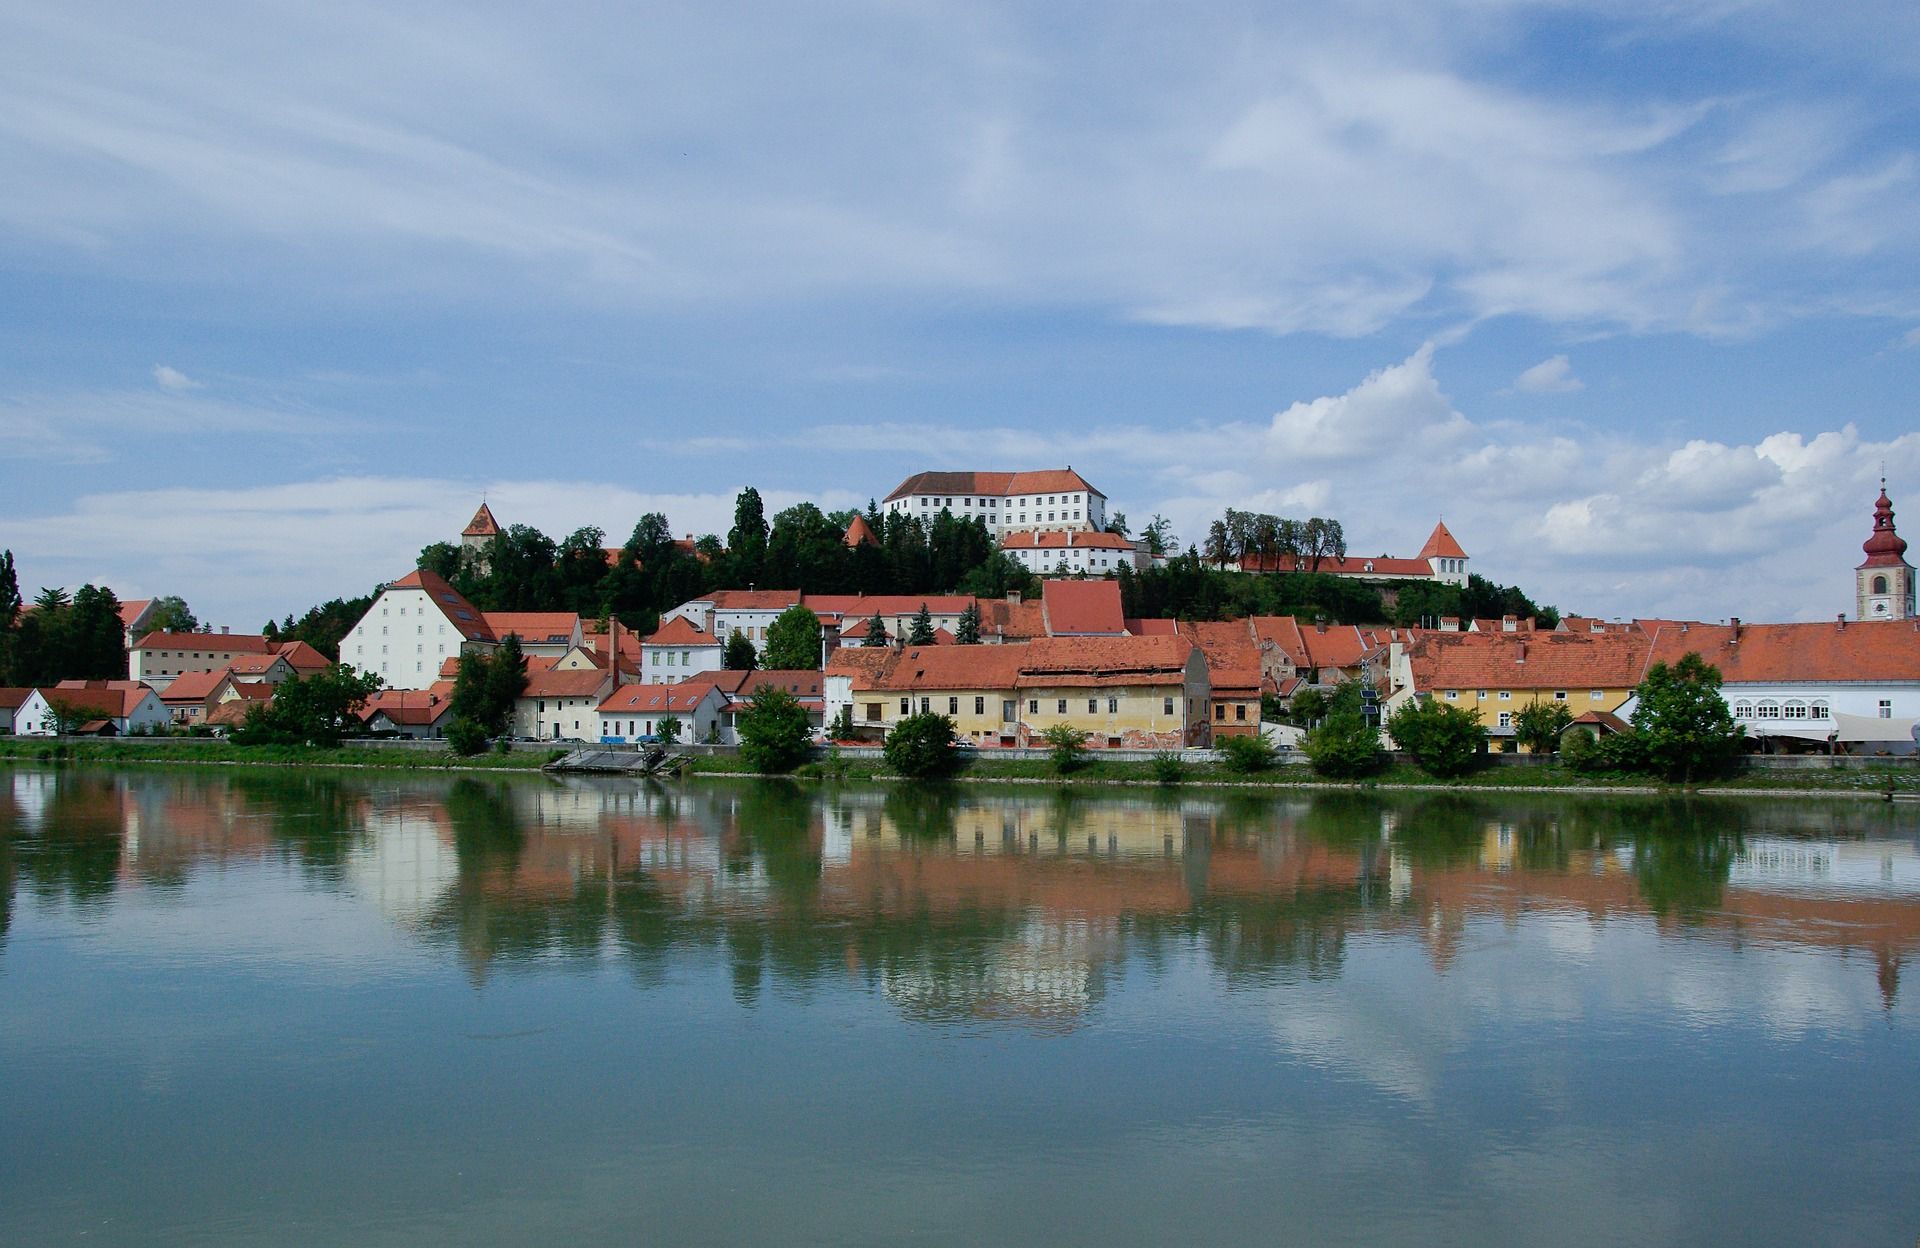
<point x="1626" y="291"/>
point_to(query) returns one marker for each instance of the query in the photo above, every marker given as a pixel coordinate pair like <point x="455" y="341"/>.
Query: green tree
<point x="485" y="687"/>
<point x="466" y="738"/>
<point x="921" y="631"/>
<point x="1117" y="525"/>
<point x="920" y="747"/>
<point x="1344" y="746"/>
<point x="774" y="731"/>
<point x="793" y="640"/>
<point x="172" y="615"/>
<point x="1444" y="740"/>
<point x="747" y="539"/>
<point x="1067" y="746"/>
<point x="876" y="633"/>
<point x="9" y="615"/>
<point x="738" y="655"/>
<point x="969" y="627"/>
<point x="668" y="727"/>
<point x="1539" y="725"/>
<point x="311" y="710"/>
<point x="1309" y="707"/>
<point x="842" y="727"/>
<point x="1246" y="754"/>
<point x="1160" y="536"/>
<point x="1683" y="724"/>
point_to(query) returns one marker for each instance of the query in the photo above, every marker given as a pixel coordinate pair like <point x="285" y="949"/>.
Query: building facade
<point x="414" y="626"/>
<point x="1052" y="499"/>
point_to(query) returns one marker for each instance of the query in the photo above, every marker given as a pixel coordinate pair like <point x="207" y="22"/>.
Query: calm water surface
<point x="295" y="1008"/>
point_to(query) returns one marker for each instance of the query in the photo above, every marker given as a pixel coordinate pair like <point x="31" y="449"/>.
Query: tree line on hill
<point x="805" y="548"/>
<point x="59" y="636"/>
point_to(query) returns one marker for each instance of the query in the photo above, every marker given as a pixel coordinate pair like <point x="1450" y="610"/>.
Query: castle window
<point x="1879" y="584"/>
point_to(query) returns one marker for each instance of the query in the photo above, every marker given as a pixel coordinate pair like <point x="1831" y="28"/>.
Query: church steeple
<point x="1884" y="583"/>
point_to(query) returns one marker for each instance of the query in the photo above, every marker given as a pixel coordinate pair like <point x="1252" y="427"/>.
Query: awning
<point x="1871" y="728"/>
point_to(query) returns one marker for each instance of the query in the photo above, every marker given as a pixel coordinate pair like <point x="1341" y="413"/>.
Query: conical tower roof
<point x="1885" y="548"/>
<point x="1440" y="544"/>
<point x="482" y="524"/>
<point x="860" y="533"/>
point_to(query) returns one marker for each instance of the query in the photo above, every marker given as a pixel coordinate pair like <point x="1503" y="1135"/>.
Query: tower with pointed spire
<point x="481" y="530"/>
<point x="1884" y="583"/>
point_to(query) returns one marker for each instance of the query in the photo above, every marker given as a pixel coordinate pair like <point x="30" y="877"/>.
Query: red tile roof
<point x="1440" y="544"/>
<point x="1063" y="539"/>
<point x="482" y="525"/>
<point x="1352" y="565"/>
<point x="590" y="682"/>
<point x="1001" y="484"/>
<point x="302" y="657"/>
<point x="252" y="664"/>
<point x="410" y="706"/>
<point x="1082" y="608"/>
<point x="1527" y="660"/>
<point x="1861" y="650"/>
<point x="190" y="687"/>
<point x="655" y="699"/>
<point x="680" y="631"/>
<point x="231" y="714"/>
<point x="1152" y="627"/>
<point x="860" y="533"/>
<point x="1050" y="662"/>
<point x="832" y="607"/>
<point x="533" y="627"/>
<point x="132" y="609"/>
<point x="1011" y="621"/>
<point x="225" y="643"/>
<point x="112" y="703"/>
<point x="13" y="699"/>
<point x="752" y="599"/>
<point x="460" y="613"/>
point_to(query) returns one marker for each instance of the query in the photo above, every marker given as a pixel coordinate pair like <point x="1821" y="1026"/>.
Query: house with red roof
<point x="1050" y="499"/>
<point x="418" y="713"/>
<point x="738" y="688"/>
<point x="559" y="703"/>
<point x="1441" y="559"/>
<point x="110" y="708"/>
<point x="633" y="712"/>
<point x="1082" y="609"/>
<point x="548" y="633"/>
<point x="158" y="657"/>
<point x="1071" y="552"/>
<point x="1495" y="675"/>
<point x="11" y="700"/>
<point x="414" y="625"/>
<point x="1134" y="692"/>
<point x="678" y="649"/>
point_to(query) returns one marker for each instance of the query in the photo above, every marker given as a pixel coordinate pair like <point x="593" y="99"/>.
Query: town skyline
<point x="1625" y="294"/>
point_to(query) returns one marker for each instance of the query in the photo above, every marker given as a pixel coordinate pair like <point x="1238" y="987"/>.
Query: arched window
<point x="1795" y="709"/>
<point x="1743" y="710"/>
<point x="1879" y="584"/>
<point x="1818" y="710"/>
<point x="1767" y="710"/>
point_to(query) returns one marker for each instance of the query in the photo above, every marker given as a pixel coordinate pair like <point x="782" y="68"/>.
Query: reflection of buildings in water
<point x="1855" y="868"/>
<point x="1046" y="973"/>
<point x="407" y="862"/>
<point x="31" y="791"/>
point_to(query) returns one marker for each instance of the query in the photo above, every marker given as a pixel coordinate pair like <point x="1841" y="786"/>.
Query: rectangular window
<point x="1093" y="706"/>
<point x="1506" y="695"/>
<point x="1597" y="695"/>
<point x="906" y="706"/>
<point x="926" y="704"/>
<point x="873" y="712"/>
<point x="1033" y="706"/>
<point x="1061" y="709"/>
<point x="1166" y="706"/>
<point x="1113" y="706"/>
<point x="1506" y="719"/>
<point x="1220" y="711"/>
<point x="1482" y="695"/>
<point x="1453" y="695"/>
<point x="953" y="706"/>
<point x="1240" y="712"/>
<point x="1886" y="708"/>
<point x="979" y="706"/>
<point x="1559" y="695"/>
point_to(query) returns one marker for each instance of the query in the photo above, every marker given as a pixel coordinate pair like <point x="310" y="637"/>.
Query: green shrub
<point x="920" y="747"/>
<point x="774" y="733"/>
<point x="1167" y="768"/>
<point x="1068" y="746"/>
<point x="1246" y="755"/>
<point x="466" y="738"/>
<point x="1444" y="740"/>
<point x="1345" y="747"/>
<point x="1538" y="726"/>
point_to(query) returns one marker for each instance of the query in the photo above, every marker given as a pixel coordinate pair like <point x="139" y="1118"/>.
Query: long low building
<point x="1122" y="692"/>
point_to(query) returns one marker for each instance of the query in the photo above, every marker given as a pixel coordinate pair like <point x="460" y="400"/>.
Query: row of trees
<point x="1239" y="534"/>
<point x="62" y="636"/>
<point x="1187" y="588"/>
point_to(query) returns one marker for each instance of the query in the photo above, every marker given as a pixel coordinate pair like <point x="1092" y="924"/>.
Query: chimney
<point x="225" y="629"/>
<point x="1509" y="624"/>
<point x="1840" y="622"/>
<point x="1735" y="622"/>
<point x="1523" y="653"/>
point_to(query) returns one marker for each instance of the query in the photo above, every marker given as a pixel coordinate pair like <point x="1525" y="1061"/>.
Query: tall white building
<point x="416" y="624"/>
<point x="1049" y="500"/>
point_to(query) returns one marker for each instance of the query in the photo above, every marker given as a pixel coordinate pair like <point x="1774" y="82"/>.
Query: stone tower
<point x="481" y="530"/>
<point x="1884" y="583"/>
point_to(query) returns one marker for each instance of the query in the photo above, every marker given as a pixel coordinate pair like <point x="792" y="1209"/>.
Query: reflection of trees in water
<point x="1266" y="939"/>
<point x="316" y="816"/>
<point x="75" y="852"/>
<point x="7" y="834"/>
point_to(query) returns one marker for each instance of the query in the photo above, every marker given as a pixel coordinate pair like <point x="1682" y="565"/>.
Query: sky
<point x="1627" y="292"/>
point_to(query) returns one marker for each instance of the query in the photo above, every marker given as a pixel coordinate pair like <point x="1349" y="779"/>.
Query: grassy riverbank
<point x="1898" y="778"/>
<point x="132" y="750"/>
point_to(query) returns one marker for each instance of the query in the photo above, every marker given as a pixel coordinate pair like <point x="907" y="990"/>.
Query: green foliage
<point x="466" y="738"/>
<point x="793" y="640"/>
<point x="171" y="614"/>
<point x="1068" y="747"/>
<point x="668" y="728"/>
<point x="841" y="729"/>
<point x="1539" y="725"/>
<point x="1683" y="724"/>
<point x="1167" y="768"/>
<point x="968" y="633"/>
<point x="486" y="685"/>
<point x="876" y="635"/>
<point x="1444" y="740"/>
<point x="738" y="655"/>
<point x="920" y="747"/>
<point x="920" y="633"/>
<point x="1246" y="755"/>
<point x="1309" y="707"/>
<point x="313" y="710"/>
<point x="1344" y="746"/>
<point x="323" y="626"/>
<point x="77" y="637"/>
<point x="774" y="731"/>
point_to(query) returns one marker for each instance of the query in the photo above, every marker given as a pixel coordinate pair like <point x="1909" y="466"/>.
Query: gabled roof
<point x="1352" y="565"/>
<point x="567" y="683"/>
<point x="752" y="599"/>
<point x="303" y="657"/>
<point x="1063" y="539"/>
<point x="460" y="613"/>
<point x="230" y="714"/>
<point x="482" y="525"/>
<point x="1441" y="545"/>
<point x="410" y="706"/>
<point x="680" y="631"/>
<point x="1082" y="609"/>
<point x="1527" y="660"/>
<point x="14" y="699"/>
<point x="132" y="609"/>
<point x="111" y="703"/>
<point x="253" y="664"/>
<point x="1152" y="627"/>
<point x="1048" y="662"/>
<point x="656" y="699"/>
<point x="1011" y="621"/>
<point x="226" y="643"/>
<point x="539" y="628"/>
<point x="191" y="687"/>
<point x="1002" y="484"/>
<point x="1858" y="650"/>
<point x="831" y="607"/>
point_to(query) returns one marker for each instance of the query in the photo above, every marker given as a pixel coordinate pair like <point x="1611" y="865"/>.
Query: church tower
<point x="1885" y="581"/>
<point x="478" y="533"/>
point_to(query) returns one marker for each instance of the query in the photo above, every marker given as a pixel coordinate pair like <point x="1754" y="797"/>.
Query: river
<point x="248" y="1007"/>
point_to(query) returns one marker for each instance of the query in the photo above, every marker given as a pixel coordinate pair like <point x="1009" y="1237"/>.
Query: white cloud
<point x="173" y="379"/>
<point x="1551" y="376"/>
<point x="1401" y="404"/>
